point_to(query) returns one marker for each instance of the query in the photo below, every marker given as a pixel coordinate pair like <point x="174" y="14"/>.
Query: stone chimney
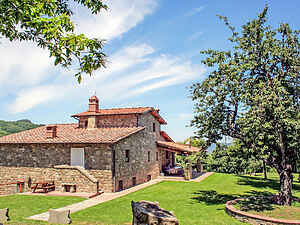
<point x="93" y="104"/>
<point x="51" y="131"/>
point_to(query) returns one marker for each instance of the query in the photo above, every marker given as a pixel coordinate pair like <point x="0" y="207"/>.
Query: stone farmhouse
<point x="106" y="150"/>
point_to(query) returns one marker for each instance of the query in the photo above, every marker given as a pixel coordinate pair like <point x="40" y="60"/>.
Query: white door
<point x="77" y="157"/>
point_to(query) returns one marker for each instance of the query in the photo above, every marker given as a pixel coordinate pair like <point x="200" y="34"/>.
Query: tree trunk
<point x="265" y="170"/>
<point x="286" y="182"/>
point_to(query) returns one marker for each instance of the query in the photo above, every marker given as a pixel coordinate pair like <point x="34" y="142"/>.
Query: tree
<point x="48" y="24"/>
<point x="196" y="142"/>
<point x="252" y="94"/>
<point x="234" y="158"/>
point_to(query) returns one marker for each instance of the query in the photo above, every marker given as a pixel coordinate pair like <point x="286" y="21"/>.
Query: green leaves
<point x="253" y="93"/>
<point x="48" y="23"/>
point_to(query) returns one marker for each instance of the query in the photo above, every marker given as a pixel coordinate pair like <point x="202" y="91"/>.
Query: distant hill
<point x="10" y="127"/>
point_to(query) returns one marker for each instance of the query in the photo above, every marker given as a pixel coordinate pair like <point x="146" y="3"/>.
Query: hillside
<point x="10" y="127"/>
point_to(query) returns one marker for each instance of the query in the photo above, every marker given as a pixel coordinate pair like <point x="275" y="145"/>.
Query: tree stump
<point x="149" y="213"/>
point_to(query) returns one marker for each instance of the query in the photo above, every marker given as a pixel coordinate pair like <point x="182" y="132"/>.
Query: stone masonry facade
<point x="141" y="165"/>
<point x="20" y="162"/>
<point x="120" y="151"/>
<point x="38" y="161"/>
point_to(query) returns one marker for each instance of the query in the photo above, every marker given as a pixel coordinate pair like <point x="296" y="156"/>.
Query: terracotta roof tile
<point x="177" y="147"/>
<point x="116" y="111"/>
<point x="166" y="136"/>
<point x="123" y="111"/>
<point x="70" y="133"/>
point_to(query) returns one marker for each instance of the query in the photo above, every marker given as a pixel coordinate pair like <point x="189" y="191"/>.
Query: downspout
<point x="114" y="169"/>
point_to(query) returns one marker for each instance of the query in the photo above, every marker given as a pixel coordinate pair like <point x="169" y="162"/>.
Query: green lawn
<point x="265" y="207"/>
<point x="22" y="206"/>
<point x="193" y="203"/>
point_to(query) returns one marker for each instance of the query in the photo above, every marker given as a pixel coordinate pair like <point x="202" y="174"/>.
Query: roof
<point x="123" y="111"/>
<point x="166" y="136"/>
<point x="70" y="133"/>
<point x="177" y="147"/>
<point x="94" y="97"/>
<point x="115" y="111"/>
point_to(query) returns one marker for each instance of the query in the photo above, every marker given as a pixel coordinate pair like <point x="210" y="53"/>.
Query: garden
<point x="193" y="203"/>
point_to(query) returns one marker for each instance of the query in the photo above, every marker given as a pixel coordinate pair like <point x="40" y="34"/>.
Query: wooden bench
<point x="49" y="188"/>
<point x="43" y="185"/>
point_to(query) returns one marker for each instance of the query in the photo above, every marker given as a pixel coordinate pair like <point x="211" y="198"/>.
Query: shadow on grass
<point x="255" y="204"/>
<point x="259" y="182"/>
<point x="211" y="197"/>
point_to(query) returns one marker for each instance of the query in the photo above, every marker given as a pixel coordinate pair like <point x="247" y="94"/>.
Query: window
<point x="167" y="155"/>
<point x="156" y="156"/>
<point x="149" y="177"/>
<point x="148" y="156"/>
<point x="86" y="124"/>
<point x="153" y="127"/>
<point x="133" y="181"/>
<point x="127" y="156"/>
<point x="120" y="185"/>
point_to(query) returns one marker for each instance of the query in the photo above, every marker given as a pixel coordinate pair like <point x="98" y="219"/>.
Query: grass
<point x="265" y="207"/>
<point x="193" y="203"/>
<point x="22" y="206"/>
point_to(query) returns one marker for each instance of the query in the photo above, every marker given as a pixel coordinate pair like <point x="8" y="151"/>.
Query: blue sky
<point x="153" y="51"/>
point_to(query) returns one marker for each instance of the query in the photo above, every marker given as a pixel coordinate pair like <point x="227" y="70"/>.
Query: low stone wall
<point x="254" y="219"/>
<point x="105" y="179"/>
<point x="76" y="176"/>
<point x="85" y="180"/>
<point x="10" y="175"/>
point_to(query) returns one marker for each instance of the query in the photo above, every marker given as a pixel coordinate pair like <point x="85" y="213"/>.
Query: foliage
<point x="190" y="160"/>
<point x="233" y="159"/>
<point x="10" y="127"/>
<point x="187" y="161"/>
<point x="196" y="142"/>
<point x="252" y="94"/>
<point x="48" y="24"/>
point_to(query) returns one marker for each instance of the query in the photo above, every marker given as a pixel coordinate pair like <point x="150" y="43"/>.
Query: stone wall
<point x="129" y="120"/>
<point x="105" y="179"/>
<point x="147" y="120"/>
<point x="34" y="155"/>
<point x="37" y="161"/>
<point x="81" y="178"/>
<point x="138" y="167"/>
<point x="61" y="176"/>
<point x="10" y="175"/>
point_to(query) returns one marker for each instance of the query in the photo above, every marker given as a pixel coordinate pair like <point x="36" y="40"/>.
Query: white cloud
<point x="133" y="70"/>
<point x="28" y="98"/>
<point x="121" y="16"/>
<point x="195" y="36"/>
<point x="194" y="11"/>
<point x="135" y="74"/>
<point x="22" y="64"/>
